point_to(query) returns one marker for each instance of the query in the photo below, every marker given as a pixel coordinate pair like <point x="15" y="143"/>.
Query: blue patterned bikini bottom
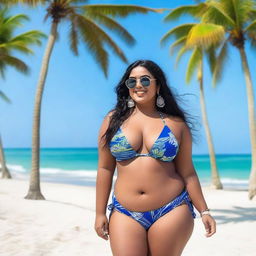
<point x="146" y="219"/>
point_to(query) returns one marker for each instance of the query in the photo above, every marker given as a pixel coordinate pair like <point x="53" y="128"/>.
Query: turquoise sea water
<point x="79" y="166"/>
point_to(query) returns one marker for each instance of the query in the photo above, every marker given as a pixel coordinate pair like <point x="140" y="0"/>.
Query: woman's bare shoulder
<point x="110" y="113"/>
<point x="108" y="116"/>
<point x="175" y="119"/>
<point x="106" y="121"/>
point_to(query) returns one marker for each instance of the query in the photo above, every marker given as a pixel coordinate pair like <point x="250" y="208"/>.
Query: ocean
<point x="79" y="166"/>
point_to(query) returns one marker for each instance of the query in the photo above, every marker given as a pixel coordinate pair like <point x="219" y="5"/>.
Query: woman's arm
<point x="184" y="166"/>
<point x="106" y="169"/>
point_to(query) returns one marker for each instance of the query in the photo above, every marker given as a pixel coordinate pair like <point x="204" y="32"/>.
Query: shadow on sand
<point x="236" y="214"/>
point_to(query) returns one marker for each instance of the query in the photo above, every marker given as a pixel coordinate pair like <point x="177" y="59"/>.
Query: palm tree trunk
<point x="216" y="183"/>
<point x="252" y="121"/>
<point x="34" y="187"/>
<point x="5" y="172"/>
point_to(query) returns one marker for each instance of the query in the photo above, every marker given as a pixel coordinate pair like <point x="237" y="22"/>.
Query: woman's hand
<point x="101" y="226"/>
<point x="209" y="224"/>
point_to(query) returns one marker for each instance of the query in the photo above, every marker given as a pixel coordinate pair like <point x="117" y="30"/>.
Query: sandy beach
<point x="63" y="224"/>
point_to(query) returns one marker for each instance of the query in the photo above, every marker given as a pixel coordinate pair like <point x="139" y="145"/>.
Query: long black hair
<point x="121" y="111"/>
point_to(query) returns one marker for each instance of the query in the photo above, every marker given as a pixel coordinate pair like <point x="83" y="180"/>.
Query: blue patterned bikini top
<point x="165" y="147"/>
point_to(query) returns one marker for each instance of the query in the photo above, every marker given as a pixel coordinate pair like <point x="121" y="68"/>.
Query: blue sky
<point x="77" y="95"/>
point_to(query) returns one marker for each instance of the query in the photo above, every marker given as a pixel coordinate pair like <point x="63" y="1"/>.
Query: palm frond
<point x="220" y="64"/>
<point x="4" y="97"/>
<point x="17" y="46"/>
<point x="193" y="64"/>
<point x="47" y="15"/>
<point x="103" y="36"/>
<point x="14" y="62"/>
<point x="251" y="27"/>
<point x="229" y="8"/>
<point x="205" y="35"/>
<point x="252" y="13"/>
<point x="251" y="35"/>
<point x="20" y="42"/>
<point x="23" y="41"/>
<point x="24" y="2"/>
<point x="77" y="1"/>
<point x="210" y="54"/>
<point x="93" y="43"/>
<point x="118" y="10"/>
<point x="2" y="70"/>
<point x="177" y="32"/>
<point x="181" y="52"/>
<point x="113" y="26"/>
<point x="73" y="37"/>
<point x="178" y="44"/>
<point x="193" y="10"/>
<point x="16" y="20"/>
<point x="216" y="14"/>
<point x="239" y="10"/>
<point x="30" y="37"/>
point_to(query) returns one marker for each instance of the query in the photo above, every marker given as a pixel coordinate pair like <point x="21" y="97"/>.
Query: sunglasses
<point x="144" y="81"/>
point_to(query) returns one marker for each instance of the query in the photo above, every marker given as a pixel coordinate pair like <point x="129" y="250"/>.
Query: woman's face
<point x="140" y="94"/>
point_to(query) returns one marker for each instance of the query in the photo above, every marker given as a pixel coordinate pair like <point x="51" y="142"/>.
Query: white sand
<point x="63" y="224"/>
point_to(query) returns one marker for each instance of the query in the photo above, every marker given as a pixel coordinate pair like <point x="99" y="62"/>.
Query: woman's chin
<point x="141" y="101"/>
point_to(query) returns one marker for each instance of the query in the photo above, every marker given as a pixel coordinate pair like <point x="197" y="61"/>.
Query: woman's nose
<point x="138" y="83"/>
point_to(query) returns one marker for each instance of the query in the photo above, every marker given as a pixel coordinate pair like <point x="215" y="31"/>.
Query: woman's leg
<point x="127" y="236"/>
<point x="169" y="234"/>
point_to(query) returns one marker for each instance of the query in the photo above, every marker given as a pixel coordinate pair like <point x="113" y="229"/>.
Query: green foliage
<point x="19" y="43"/>
<point x="220" y="22"/>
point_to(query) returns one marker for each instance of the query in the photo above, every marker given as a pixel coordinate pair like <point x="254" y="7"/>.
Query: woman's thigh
<point x="170" y="233"/>
<point x="127" y="236"/>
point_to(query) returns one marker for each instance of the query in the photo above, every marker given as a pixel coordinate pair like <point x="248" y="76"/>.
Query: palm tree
<point x="181" y="33"/>
<point x="8" y="44"/>
<point x="238" y="19"/>
<point x="5" y="171"/>
<point x="85" y="25"/>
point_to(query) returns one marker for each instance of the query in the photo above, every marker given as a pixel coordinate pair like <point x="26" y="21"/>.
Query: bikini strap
<point x="162" y="117"/>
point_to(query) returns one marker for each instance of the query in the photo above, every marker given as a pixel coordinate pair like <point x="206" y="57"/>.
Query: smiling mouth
<point x="140" y="93"/>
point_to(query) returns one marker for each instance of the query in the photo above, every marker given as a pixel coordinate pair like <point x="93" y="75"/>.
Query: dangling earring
<point x="130" y="103"/>
<point x="160" y="101"/>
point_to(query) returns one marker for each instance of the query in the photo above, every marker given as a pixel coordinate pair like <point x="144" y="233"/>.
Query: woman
<point x="147" y="138"/>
